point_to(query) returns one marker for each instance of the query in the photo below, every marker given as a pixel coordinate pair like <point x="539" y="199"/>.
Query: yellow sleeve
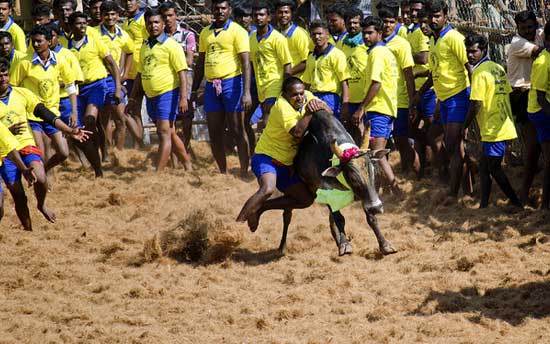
<point x="18" y="73"/>
<point x="404" y="56"/>
<point x="283" y="53"/>
<point x="8" y="141"/>
<point x="202" y="39"/>
<point x="459" y="49"/>
<point x="478" y="86"/>
<point x="287" y="118"/>
<point x="66" y="73"/>
<point x="341" y="67"/>
<point x="540" y="74"/>
<point x="307" y="77"/>
<point x="18" y="38"/>
<point x="303" y="45"/>
<point x="128" y="45"/>
<point x="31" y="100"/>
<point x="102" y="49"/>
<point x="141" y="55"/>
<point x="241" y="41"/>
<point x="75" y="65"/>
<point x="177" y="57"/>
<point x="423" y="43"/>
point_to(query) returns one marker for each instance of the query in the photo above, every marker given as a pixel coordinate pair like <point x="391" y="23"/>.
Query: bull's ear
<point x="378" y="154"/>
<point x="331" y="172"/>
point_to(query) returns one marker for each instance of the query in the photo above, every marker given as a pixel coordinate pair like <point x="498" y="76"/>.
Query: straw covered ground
<point x="140" y="257"/>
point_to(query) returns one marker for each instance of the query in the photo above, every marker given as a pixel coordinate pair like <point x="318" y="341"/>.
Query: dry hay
<point x="198" y="238"/>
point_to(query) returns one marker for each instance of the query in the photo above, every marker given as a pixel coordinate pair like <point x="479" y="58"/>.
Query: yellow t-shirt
<point x="42" y="80"/>
<point x="72" y="63"/>
<point x="8" y="142"/>
<point x="402" y="30"/>
<point x="222" y="47"/>
<point x="447" y="60"/>
<point x="14" y="58"/>
<point x="20" y="103"/>
<point x="299" y="45"/>
<point x="269" y="55"/>
<point x="357" y="62"/>
<point x="419" y="43"/>
<point x="491" y="87"/>
<point x="64" y="37"/>
<point x="159" y="65"/>
<point x="276" y="140"/>
<point x="382" y="67"/>
<point x="17" y="34"/>
<point x="540" y="81"/>
<point x="90" y="55"/>
<point x="117" y="43"/>
<point x="401" y="48"/>
<point x="135" y="28"/>
<point x="338" y="40"/>
<point x="325" y="72"/>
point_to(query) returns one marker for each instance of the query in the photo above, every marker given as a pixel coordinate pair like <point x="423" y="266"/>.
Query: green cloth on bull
<point x="335" y="198"/>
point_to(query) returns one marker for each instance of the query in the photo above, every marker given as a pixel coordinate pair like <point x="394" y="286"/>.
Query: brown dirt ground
<point x="461" y="275"/>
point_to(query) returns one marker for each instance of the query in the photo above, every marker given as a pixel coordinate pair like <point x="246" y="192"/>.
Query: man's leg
<point x="531" y="154"/>
<point x="236" y="127"/>
<point x="267" y="183"/>
<point x="126" y="121"/>
<point x="485" y="181"/>
<point x="41" y="190"/>
<point x="455" y="149"/>
<point x="165" y="143"/>
<point x="61" y="150"/>
<point x="178" y="147"/>
<point x="90" y="147"/>
<point x="546" y="179"/>
<point x="21" y="208"/>
<point x="496" y="171"/>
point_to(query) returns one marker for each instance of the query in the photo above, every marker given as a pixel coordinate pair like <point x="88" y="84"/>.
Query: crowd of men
<point x="78" y="80"/>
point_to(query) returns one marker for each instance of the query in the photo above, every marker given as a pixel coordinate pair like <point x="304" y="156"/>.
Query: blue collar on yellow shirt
<point x="70" y="43"/>
<point x="251" y="31"/>
<point x="6" y="99"/>
<point x="291" y="30"/>
<point x="485" y="59"/>
<point x="337" y="38"/>
<point x="390" y="37"/>
<point x="266" y="36"/>
<point x="225" y="27"/>
<point x="376" y="45"/>
<point x="8" y="24"/>
<point x="159" y="39"/>
<point x="415" y="27"/>
<point x="11" y="55"/>
<point x="58" y="47"/>
<point x="136" y="17"/>
<point x="324" y="52"/>
<point x="52" y="60"/>
<point x="104" y="31"/>
<point x="443" y="33"/>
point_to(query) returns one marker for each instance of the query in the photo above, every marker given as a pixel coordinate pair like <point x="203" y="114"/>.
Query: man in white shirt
<point x="523" y="49"/>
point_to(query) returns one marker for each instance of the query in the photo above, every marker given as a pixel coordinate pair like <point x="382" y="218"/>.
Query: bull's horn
<point x="336" y="149"/>
<point x="366" y="137"/>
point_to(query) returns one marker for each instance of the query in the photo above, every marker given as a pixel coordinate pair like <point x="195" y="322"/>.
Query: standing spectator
<point x="7" y="24"/>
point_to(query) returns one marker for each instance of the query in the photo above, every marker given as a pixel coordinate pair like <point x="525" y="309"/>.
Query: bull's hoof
<point x="387" y="249"/>
<point x="345" y="248"/>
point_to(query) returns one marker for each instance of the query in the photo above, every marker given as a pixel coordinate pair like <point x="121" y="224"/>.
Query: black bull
<point x="313" y="165"/>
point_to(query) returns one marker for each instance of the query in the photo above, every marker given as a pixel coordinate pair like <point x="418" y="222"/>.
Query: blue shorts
<point x="270" y="101"/>
<point x="164" y="107"/>
<point x="229" y="100"/>
<point x="44" y="127"/>
<point x="92" y="93"/>
<point x="352" y="107"/>
<point x="380" y="125"/>
<point x="332" y="100"/>
<point x="9" y="171"/>
<point x="262" y="164"/>
<point x="541" y="121"/>
<point x="254" y="90"/>
<point x="65" y="109"/>
<point x="454" y="109"/>
<point x="427" y="104"/>
<point x="494" y="148"/>
<point x="110" y="97"/>
<point x="401" y="123"/>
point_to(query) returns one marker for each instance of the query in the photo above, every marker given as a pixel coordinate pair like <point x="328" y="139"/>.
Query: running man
<point x="379" y="107"/>
<point x="161" y="75"/>
<point x="326" y="73"/>
<point x="450" y="78"/>
<point x="490" y="106"/>
<point x="16" y="105"/>
<point x="224" y="60"/>
<point x="275" y="152"/>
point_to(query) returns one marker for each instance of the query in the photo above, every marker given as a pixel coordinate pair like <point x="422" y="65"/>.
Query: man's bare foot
<point x="188" y="166"/>
<point x="253" y="221"/>
<point x="48" y="214"/>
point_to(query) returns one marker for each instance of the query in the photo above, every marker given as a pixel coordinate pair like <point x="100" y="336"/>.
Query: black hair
<point x="388" y="3"/>
<point x="57" y="4"/>
<point x="338" y="8"/>
<point x="423" y="13"/>
<point x="434" y="6"/>
<point x="242" y="9"/>
<point x="76" y="15"/>
<point x="291" y="81"/>
<point x="547" y="30"/>
<point x="153" y="12"/>
<point x="481" y="41"/>
<point x="523" y="16"/>
<point x="289" y="3"/>
<point x="353" y="12"/>
<point x="109" y="6"/>
<point x="405" y="3"/>
<point x="91" y="2"/>
<point x="41" y="10"/>
<point x="6" y="34"/>
<point x="388" y="12"/>
<point x="7" y="1"/>
<point x="373" y="21"/>
<point x="42" y="30"/>
<point x="4" y="64"/>
<point x="52" y="27"/>
<point x="318" y="23"/>
<point x="423" y="2"/>
<point x="262" y="5"/>
<point x="165" y="6"/>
